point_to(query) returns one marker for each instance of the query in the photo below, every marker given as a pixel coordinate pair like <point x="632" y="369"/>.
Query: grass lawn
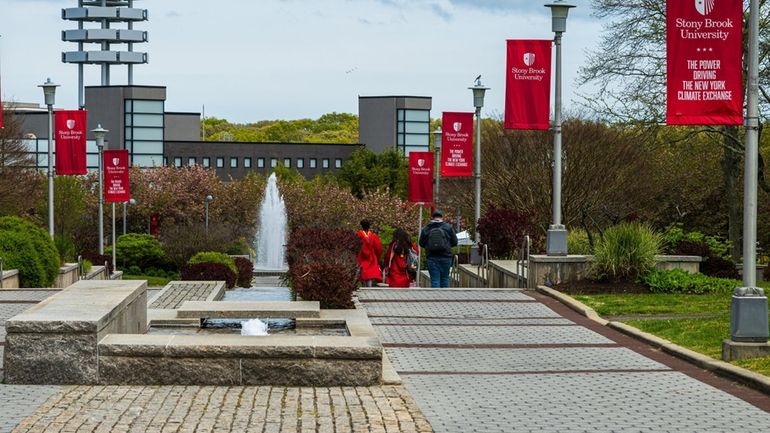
<point x="665" y="303"/>
<point x="151" y="281"/>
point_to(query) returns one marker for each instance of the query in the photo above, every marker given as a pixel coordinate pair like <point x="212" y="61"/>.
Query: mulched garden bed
<point x="587" y="287"/>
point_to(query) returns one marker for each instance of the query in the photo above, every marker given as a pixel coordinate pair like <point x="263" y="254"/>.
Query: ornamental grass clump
<point x="625" y="252"/>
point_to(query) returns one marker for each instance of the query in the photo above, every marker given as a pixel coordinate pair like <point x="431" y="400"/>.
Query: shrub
<point x="675" y="236"/>
<point x="238" y="247"/>
<point x="213" y="257"/>
<point x="99" y="259"/>
<point x="245" y="271"/>
<point x="625" y="252"/>
<point x="327" y="277"/>
<point x="36" y="255"/>
<point x="208" y="271"/>
<point x="65" y="247"/>
<point x="134" y="270"/>
<point x="139" y="249"/>
<point x="716" y="263"/>
<point x="578" y="243"/>
<point x="85" y="266"/>
<point x="766" y="274"/>
<point x="503" y="230"/>
<point x="679" y="281"/>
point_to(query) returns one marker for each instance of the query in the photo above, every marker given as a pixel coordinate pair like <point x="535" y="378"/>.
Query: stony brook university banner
<point x="116" y="182"/>
<point x="528" y="84"/>
<point x="704" y="46"/>
<point x="421" y="177"/>
<point x="70" y="136"/>
<point x="457" y="144"/>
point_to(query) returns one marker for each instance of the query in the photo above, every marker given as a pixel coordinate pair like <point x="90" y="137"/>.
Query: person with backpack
<point x="438" y="238"/>
<point x="401" y="260"/>
<point x="369" y="255"/>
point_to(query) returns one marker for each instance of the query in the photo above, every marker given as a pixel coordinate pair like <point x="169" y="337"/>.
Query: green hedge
<point x="29" y="249"/>
<point x="138" y="249"/>
<point x="213" y="257"/>
<point x="679" y="281"/>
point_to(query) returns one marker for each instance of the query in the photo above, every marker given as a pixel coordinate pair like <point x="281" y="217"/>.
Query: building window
<point x="233" y="162"/>
<point x="313" y="163"/>
<point x="287" y="162"/>
<point x="412" y="131"/>
<point x="206" y="161"/>
<point x="165" y="161"/>
<point x="247" y="162"/>
<point x="177" y="161"/>
<point x="220" y="162"/>
<point x="300" y="163"/>
<point x="144" y="124"/>
<point x="337" y="163"/>
<point x="273" y="162"/>
<point x="192" y="161"/>
<point x="325" y="163"/>
<point x="261" y="162"/>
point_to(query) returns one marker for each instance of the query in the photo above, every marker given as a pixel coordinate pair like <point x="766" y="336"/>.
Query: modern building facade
<point x="394" y="122"/>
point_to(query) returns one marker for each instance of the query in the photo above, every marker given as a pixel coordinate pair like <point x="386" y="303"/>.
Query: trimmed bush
<point x="213" y="257"/>
<point x="327" y="277"/>
<point x="625" y="252"/>
<point x="29" y="249"/>
<point x="679" y="281"/>
<point x="138" y="249"/>
<point x="503" y="230"/>
<point x="208" y="271"/>
<point x="245" y="271"/>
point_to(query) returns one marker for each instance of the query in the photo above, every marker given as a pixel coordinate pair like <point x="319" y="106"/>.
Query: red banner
<point x="70" y="135"/>
<point x="528" y="84"/>
<point x="704" y="48"/>
<point x="421" y="177"/>
<point x="457" y="144"/>
<point x="116" y="183"/>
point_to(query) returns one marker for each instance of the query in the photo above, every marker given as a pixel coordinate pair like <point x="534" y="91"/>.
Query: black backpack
<point x="438" y="241"/>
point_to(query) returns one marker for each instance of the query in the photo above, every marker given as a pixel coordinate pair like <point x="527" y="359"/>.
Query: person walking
<point x="369" y="256"/>
<point x="400" y="268"/>
<point x="438" y="238"/>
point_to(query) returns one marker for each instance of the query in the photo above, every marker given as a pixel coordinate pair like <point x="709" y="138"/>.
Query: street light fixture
<point x="209" y="198"/>
<point x="478" y="101"/>
<point x="49" y="93"/>
<point x="437" y="149"/>
<point x="131" y="202"/>
<point x="99" y="133"/>
<point x="556" y="240"/>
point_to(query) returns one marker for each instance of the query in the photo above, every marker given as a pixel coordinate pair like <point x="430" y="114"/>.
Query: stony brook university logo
<point x="70" y="123"/>
<point x="115" y="161"/>
<point x="457" y="126"/>
<point x="704" y="7"/>
<point x="529" y="59"/>
<point x="421" y="162"/>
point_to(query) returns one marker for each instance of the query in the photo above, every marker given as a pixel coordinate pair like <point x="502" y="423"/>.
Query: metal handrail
<point x="483" y="268"/>
<point x="454" y="272"/>
<point x="523" y="262"/>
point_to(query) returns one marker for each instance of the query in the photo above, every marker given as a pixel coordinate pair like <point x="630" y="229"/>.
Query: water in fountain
<point x="271" y="238"/>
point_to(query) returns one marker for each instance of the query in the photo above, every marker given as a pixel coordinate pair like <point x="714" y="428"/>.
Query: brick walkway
<point x="176" y="292"/>
<point x="510" y="361"/>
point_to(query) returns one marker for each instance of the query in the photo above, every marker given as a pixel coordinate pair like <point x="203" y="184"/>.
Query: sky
<point x="250" y="60"/>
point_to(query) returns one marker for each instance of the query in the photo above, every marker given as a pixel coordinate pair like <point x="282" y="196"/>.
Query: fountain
<point x="271" y="238"/>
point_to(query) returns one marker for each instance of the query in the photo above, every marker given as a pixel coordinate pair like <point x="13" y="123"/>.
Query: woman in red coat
<point x="396" y="259"/>
<point x="369" y="256"/>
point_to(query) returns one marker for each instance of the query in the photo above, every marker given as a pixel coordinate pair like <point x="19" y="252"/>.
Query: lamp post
<point x="556" y="241"/>
<point x="437" y="149"/>
<point x="209" y="198"/>
<point x="478" y="101"/>
<point x="49" y="93"/>
<point x="125" y="213"/>
<point x="99" y="133"/>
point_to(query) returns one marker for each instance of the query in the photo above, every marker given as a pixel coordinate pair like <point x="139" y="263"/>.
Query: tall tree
<point x="21" y="186"/>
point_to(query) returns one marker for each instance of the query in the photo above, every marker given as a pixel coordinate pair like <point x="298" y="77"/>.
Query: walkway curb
<point x="739" y="374"/>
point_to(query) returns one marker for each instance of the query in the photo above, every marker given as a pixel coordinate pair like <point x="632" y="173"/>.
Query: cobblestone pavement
<point x="265" y="409"/>
<point x="503" y="367"/>
<point x="175" y="293"/>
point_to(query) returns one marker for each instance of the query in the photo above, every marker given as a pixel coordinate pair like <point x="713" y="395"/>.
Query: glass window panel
<point x="192" y="161"/>
<point x="148" y="120"/>
<point x="147" y="147"/>
<point x="148" y="134"/>
<point x="148" y="160"/>
<point x="287" y="162"/>
<point x="42" y="145"/>
<point x="165" y="161"/>
<point x="400" y="139"/>
<point x="313" y="163"/>
<point x="220" y="162"/>
<point x="206" y="161"/>
<point x="417" y="140"/>
<point x="261" y="162"/>
<point x="418" y="115"/>
<point x="273" y="162"/>
<point x="129" y="134"/>
<point x="247" y="162"/>
<point x="30" y="145"/>
<point x="400" y="114"/>
<point x="177" y="161"/>
<point x="325" y="163"/>
<point x="300" y="163"/>
<point x="400" y="127"/>
<point x="92" y="161"/>
<point x="409" y="149"/>
<point x="128" y="119"/>
<point x="417" y="128"/>
<point x="233" y="162"/>
<point x="337" y="163"/>
<point x="128" y="105"/>
<point x="141" y="106"/>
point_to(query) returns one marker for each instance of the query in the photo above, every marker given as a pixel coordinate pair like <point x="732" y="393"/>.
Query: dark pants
<point x="438" y="268"/>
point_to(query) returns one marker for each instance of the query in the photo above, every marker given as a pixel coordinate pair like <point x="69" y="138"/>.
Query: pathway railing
<point x="522" y="265"/>
<point x="454" y="272"/>
<point x="483" y="268"/>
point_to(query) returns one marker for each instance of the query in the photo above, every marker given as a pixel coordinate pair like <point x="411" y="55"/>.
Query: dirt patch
<point x="587" y="287"/>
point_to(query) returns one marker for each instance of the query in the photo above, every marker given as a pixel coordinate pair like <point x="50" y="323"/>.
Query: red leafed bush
<point x="326" y="276"/>
<point x="503" y="230"/>
<point x="209" y="272"/>
<point x="245" y="271"/>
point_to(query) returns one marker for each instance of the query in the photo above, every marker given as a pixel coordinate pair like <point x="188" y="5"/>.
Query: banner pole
<point x="114" y="248"/>
<point x="419" y="249"/>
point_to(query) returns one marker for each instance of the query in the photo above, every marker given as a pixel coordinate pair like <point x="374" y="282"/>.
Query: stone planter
<point x="10" y="279"/>
<point x="69" y="274"/>
<point x="760" y="271"/>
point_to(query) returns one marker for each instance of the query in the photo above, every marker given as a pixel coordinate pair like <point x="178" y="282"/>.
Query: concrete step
<point x="249" y="309"/>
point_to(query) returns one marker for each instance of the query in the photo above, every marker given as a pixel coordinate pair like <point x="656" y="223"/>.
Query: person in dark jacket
<point x="438" y="238"/>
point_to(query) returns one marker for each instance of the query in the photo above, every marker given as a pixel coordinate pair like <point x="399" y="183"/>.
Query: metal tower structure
<point x="106" y="13"/>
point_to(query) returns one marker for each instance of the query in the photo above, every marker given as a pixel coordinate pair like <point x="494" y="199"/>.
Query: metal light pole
<point x="478" y="101"/>
<point x="437" y="149"/>
<point x="49" y="93"/>
<point x="125" y="213"/>
<point x="556" y="241"/>
<point x="99" y="133"/>
<point x="748" y="321"/>
<point x="114" y="247"/>
<point x="209" y="198"/>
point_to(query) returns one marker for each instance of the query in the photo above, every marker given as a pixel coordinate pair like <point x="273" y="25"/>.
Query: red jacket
<point x="396" y="266"/>
<point x="369" y="256"/>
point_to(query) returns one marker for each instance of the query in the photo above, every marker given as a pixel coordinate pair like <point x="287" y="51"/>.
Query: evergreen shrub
<point x="679" y="281"/>
<point x="139" y="249"/>
<point x="208" y="271"/>
<point x="29" y="249"/>
<point x="213" y="257"/>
